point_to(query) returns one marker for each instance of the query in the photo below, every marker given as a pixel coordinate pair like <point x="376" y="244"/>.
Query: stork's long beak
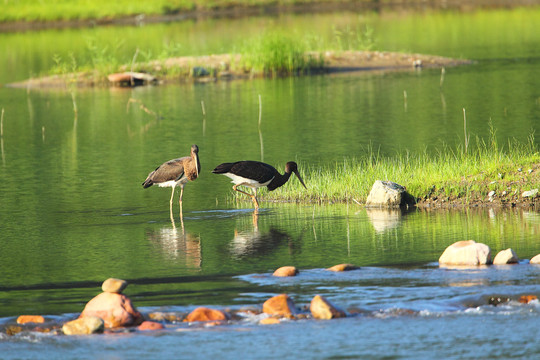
<point x="300" y="178"/>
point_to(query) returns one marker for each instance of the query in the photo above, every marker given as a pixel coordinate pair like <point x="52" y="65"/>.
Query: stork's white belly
<point x="238" y="180"/>
<point x="173" y="183"/>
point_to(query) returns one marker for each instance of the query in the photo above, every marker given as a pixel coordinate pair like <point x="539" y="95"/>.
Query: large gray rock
<point x="388" y="194"/>
<point x="467" y="252"/>
<point x="504" y="257"/>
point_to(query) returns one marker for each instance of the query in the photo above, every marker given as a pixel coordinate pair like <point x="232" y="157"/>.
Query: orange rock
<point x="84" y="326"/>
<point x="150" y="325"/>
<point x="206" y="314"/>
<point x="23" y="319"/>
<point x="323" y="309"/>
<point x="269" y="321"/>
<point x="286" y="271"/>
<point x="343" y="267"/>
<point x="116" y="310"/>
<point x="525" y="299"/>
<point x="281" y="305"/>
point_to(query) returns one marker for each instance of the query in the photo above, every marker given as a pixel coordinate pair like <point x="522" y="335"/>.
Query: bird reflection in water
<point x="177" y="244"/>
<point x="254" y="242"/>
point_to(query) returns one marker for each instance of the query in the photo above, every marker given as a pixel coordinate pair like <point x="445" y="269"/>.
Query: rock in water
<point x="206" y="314"/>
<point x="323" y="309"/>
<point x="535" y="260"/>
<point x="116" y="310"/>
<point x="150" y="325"/>
<point x="388" y="194"/>
<point x="23" y="319"/>
<point x="504" y="257"/>
<point x="281" y="305"/>
<point x="343" y="267"/>
<point x="286" y="271"/>
<point x="467" y="252"/>
<point x="84" y="326"/>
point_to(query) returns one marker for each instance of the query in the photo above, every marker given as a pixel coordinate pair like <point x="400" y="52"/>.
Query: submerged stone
<point x="23" y="319"/>
<point x="525" y="299"/>
<point x="207" y="314"/>
<point x="343" y="267"/>
<point x="467" y="252"/>
<point x="286" y="271"/>
<point x="150" y="326"/>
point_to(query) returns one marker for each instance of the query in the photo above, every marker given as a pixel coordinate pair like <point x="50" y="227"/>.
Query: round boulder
<point x="467" y="252"/>
<point x="116" y="310"/>
<point x="504" y="257"/>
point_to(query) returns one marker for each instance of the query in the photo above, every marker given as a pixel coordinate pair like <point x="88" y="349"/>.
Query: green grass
<point x="452" y="174"/>
<point x="278" y="54"/>
<point x="54" y="10"/>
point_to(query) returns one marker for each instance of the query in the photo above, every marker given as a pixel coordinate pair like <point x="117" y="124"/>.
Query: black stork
<point x="176" y="172"/>
<point x="255" y="174"/>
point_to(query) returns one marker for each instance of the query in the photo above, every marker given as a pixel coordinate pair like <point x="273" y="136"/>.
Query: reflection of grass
<point x="450" y="174"/>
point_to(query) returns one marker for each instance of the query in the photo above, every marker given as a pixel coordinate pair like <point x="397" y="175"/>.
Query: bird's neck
<point x="279" y="180"/>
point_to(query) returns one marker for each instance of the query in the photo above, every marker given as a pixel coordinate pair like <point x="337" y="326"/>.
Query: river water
<point x="73" y="212"/>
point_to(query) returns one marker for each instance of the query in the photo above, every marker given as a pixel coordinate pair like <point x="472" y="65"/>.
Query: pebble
<point x="281" y="305"/>
<point x="84" y="326"/>
<point x="286" y="271"/>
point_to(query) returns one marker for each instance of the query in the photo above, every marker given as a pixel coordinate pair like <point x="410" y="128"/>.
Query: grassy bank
<point x="67" y="10"/>
<point x="454" y="176"/>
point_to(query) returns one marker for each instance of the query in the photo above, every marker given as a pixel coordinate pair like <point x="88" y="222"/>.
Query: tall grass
<point x="454" y="173"/>
<point x="278" y="54"/>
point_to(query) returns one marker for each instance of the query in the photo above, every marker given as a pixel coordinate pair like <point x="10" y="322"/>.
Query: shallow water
<point x="73" y="212"/>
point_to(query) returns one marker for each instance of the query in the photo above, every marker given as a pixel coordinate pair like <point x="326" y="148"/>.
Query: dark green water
<point x="73" y="211"/>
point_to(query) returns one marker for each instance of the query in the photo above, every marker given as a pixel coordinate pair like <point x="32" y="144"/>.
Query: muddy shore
<point x="225" y="68"/>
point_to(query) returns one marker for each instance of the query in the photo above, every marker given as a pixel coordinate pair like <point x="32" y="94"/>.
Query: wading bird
<point x="255" y="174"/>
<point x="176" y="172"/>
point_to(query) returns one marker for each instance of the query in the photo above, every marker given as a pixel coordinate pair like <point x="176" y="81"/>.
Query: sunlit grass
<point x="52" y="10"/>
<point x="451" y="173"/>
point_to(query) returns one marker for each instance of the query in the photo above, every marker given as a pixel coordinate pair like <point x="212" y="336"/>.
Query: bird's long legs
<point x="170" y="202"/>
<point x="253" y="197"/>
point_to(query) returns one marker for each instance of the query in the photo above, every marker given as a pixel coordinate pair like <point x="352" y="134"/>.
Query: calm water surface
<point x="73" y="212"/>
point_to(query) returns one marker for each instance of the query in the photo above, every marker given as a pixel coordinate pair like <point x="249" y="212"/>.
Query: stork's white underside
<point x="173" y="183"/>
<point x="238" y="180"/>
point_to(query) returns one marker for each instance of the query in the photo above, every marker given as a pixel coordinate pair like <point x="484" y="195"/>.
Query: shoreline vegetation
<point x="484" y="174"/>
<point x="472" y="175"/>
<point x="23" y="15"/>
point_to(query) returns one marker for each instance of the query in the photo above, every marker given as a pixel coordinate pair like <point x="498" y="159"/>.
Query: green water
<point x="73" y="211"/>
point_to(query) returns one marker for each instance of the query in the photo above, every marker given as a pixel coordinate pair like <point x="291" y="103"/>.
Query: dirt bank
<point x="226" y="67"/>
